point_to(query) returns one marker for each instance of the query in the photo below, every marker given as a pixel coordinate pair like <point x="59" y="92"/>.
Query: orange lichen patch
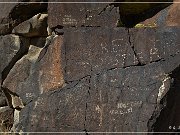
<point x="51" y="73"/>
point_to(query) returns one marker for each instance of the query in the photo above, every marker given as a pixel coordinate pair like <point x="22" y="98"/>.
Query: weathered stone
<point x="2" y="99"/>
<point x="51" y="74"/>
<point x="36" y="26"/>
<point x="173" y="17"/>
<point x="17" y="102"/>
<point x="116" y="99"/>
<point x="12" y="47"/>
<point x="12" y="15"/>
<point x="70" y="100"/>
<point x="90" y="79"/>
<point x="6" y="119"/>
<point x="160" y="44"/>
<point x="33" y="76"/>
<point x="9" y="46"/>
<point x="82" y="14"/>
<point x="16" y="119"/>
<point x="103" y="14"/>
<point x="86" y="54"/>
<point x="167" y="17"/>
<point x="20" y="74"/>
<point x="133" y="13"/>
<point x="117" y="96"/>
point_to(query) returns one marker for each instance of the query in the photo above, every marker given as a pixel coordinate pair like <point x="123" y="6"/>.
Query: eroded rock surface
<point x="34" y="27"/>
<point x="14" y="13"/>
<point x="6" y="119"/>
<point x="38" y="71"/>
<point x="113" y="98"/>
<point x="167" y="17"/>
<point x="79" y="71"/>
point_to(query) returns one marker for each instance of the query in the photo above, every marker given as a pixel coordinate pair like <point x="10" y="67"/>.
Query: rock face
<point x="101" y="95"/>
<point x="167" y="17"/>
<point x="103" y="15"/>
<point x="6" y="119"/>
<point x="36" y="26"/>
<point x="133" y="13"/>
<point x="69" y="15"/>
<point x="14" y="13"/>
<point x="78" y="72"/>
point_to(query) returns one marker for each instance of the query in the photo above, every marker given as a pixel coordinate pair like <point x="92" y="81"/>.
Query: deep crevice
<point x="16" y="17"/>
<point x="86" y="108"/>
<point x="21" y="52"/>
<point x="49" y="41"/>
<point x="129" y="19"/>
<point x="132" y="46"/>
<point x="168" y="120"/>
<point x="8" y="94"/>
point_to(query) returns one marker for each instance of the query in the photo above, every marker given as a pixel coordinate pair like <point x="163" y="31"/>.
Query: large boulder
<point x="101" y="93"/>
<point x="37" y="72"/>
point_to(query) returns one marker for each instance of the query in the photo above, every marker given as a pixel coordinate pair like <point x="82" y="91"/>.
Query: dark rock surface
<point x="34" y="27"/>
<point x="82" y="14"/>
<point x="110" y="14"/>
<point x="112" y="99"/>
<point x="79" y="72"/>
<point x="32" y="75"/>
<point x="6" y="119"/>
<point x="12" y="47"/>
<point x="133" y="13"/>
<point x="14" y="13"/>
<point x="2" y="100"/>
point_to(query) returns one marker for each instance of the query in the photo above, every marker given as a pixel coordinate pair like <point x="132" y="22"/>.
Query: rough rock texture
<point x="111" y="99"/>
<point x="6" y="118"/>
<point x="33" y="75"/>
<point x="168" y="17"/>
<point x="133" y="13"/>
<point x="12" y="47"/>
<point x="2" y="100"/>
<point x="77" y="71"/>
<point x="36" y="26"/>
<point x="69" y="15"/>
<point x="102" y="14"/>
<point x="12" y="15"/>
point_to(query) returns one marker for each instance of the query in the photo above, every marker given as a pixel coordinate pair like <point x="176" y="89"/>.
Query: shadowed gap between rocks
<point x="130" y="19"/>
<point x="169" y="118"/>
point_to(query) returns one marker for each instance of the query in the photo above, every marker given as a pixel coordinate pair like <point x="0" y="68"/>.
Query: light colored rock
<point x="17" y="102"/>
<point x="16" y="119"/>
